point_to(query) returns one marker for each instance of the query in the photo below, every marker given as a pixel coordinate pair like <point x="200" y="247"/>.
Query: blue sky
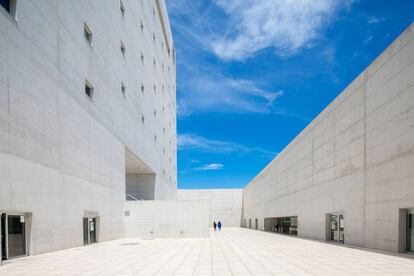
<point x="251" y="74"/>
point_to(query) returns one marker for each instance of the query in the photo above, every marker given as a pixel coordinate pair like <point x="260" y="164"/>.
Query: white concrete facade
<point x="225" y="204"/>
<point x="65" y="155"/>
<point x="167" y="219"/>
<point x="355" y="158"/>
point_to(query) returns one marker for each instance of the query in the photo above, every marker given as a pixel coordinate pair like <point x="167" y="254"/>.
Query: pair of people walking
<point x="217" y="225"/>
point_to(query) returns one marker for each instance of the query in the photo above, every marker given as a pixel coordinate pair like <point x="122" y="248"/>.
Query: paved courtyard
<point x="232" y="251"/>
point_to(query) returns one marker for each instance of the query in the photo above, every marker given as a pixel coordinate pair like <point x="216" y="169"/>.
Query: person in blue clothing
<point x="219" y="225"/>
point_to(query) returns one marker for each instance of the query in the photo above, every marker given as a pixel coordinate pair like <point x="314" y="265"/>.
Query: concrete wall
<point x="225" y="204"/>
<point x="167" y="219"/>
<point x="356" y="157"/>
<point x="63" y="154"/>
<point x="140" y="186"/>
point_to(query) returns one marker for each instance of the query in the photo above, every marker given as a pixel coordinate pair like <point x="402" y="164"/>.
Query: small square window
<point x="9" y="6"/>
<point x="142" y="58"/>
<point x="87" y="33"/>
<point x="123" y="88"/>
<point x="122" y="48"/>
<point x="122" y="8"/>
<point x="88" y="89"/>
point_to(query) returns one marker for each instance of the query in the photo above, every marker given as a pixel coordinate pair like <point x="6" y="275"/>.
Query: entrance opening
<point x="256" y="224"/>
<point x="250" y="223"/>
<point x="3" y="237"/>
<point x="335" y="227"/>
<point x="13" y="236"/>
<point x="284" y="225"/>
<point x="410" y="231"/>
<point x="89" y="230"/>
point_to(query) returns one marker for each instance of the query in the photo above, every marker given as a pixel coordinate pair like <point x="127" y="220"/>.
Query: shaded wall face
<point x="140" y="186"/>
<point x="355" y="158"/>
<point x="225" y="204"/>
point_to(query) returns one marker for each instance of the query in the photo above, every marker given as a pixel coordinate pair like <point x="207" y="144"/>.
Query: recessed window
<point x="9" y="6"/>
<point x="122" y="8"/>
<point x="154" y="62"/>
<point x="88" y="89"/>
<point x="87" y="33"/>
<point x="153" y="36"/>
<point x="163" y="129"/>
<point x="155" y="88"/>
<point x="142" y="88"/>
<point x="163" y="172"/>
<point x="155" y="113"/>
<point x="155" y="138"/>
<point x="123" y="88"/>
<point x="122" y="48"/>
<point x="141" y="25"/>
<point x="143" y="119"/>
<point x="142" y="58"/>
<point x="153" y="11"/>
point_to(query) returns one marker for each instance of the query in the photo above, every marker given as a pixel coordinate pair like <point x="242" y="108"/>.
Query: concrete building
<point x="87" y="119"/>
<point x="348" y="176"/>
<point x="225" y="205"/>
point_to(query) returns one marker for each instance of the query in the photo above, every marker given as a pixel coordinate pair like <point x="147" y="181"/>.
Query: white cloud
<point x="210" y="167"/>
<point x="205" y="92"/>
<point x="195" y="142"/>
<point x="285" y="25"/>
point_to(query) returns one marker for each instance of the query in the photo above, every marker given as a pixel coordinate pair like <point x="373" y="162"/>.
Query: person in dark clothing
<point x="214" y="225"/>
<point x="219" y="225"/>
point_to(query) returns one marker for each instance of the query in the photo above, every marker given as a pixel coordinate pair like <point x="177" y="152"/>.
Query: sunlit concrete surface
<point x="233" y="251"/>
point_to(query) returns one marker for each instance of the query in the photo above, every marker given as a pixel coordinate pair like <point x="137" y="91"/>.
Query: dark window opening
<point x="88" y="89"/>
<point x="87" y="33"/>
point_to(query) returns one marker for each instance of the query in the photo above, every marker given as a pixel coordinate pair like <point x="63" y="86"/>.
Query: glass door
<point x="89" y="230"/>
<point x="337" y="227"/>
<point x="3" y="237"/>
<point x="16" y="236"/>
<point x="410" y="231"/>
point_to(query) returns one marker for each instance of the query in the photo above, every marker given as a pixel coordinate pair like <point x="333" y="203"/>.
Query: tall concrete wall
<point x="356" y="157"/>
<point x="225" y="204"/>
<point x="167" y="219"/>
<point x="63" y="154"/>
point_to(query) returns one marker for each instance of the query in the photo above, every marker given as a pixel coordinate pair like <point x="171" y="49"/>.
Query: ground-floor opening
<point x="90" y="228"/>
<point x="406" y="230"/>
<point x="335" y="227"/>
<point x="285" y="225"/>
<point x="14" y="235"/>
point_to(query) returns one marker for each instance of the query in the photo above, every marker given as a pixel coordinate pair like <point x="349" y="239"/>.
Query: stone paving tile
<point x="233" y="251"/>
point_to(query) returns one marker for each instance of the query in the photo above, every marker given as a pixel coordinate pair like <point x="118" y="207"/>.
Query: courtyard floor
<point x="233" y="251"/>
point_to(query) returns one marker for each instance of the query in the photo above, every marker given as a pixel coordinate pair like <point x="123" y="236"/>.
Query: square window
<point x="122" y="8"/>
<point x="123" y="88"/>
<point x="122" y="48"/>
<point x="88" y="89"/>
<point x="87" y="33"/>
<point x="9" y="6"/>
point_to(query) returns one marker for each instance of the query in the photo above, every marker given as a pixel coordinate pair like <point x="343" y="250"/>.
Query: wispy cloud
<point x="199" y="143"/>
<point x="210" y="167"/>
<point x="206" y="91"/>
<point x="375" y="20"/>
<point x="287" y="26"/>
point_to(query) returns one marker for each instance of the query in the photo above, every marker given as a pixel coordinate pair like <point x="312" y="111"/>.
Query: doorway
<point x="13" y="236"/>
<point x="89" y="230"/>
<point x="336" y="226"/>
<point x="256" y="224"/>
<point x="250" y="223"/>
<point x="410" y="230"/>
